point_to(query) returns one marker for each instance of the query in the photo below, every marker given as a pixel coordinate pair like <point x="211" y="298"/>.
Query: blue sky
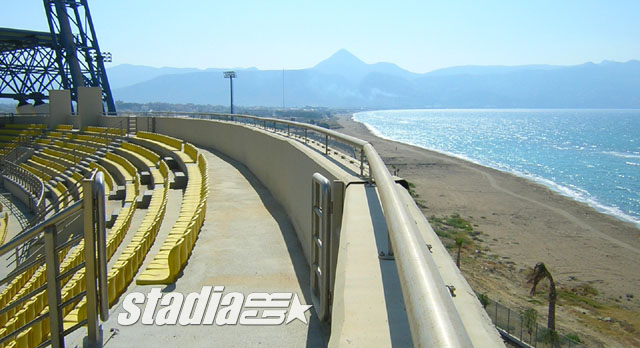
<point x="417" y="35"/>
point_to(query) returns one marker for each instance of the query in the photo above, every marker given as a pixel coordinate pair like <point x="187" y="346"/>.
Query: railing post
<point x="361" y="161"/>
<point x="53" y="288"/>
<point x="103" y="295"/>
<point x="326" y="144"/>
<point x="389" y="253"/>
<point x="95" y="257"/>
<point x="305" y="135"/>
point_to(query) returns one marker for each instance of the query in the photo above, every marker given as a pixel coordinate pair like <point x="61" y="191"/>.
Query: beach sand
<point x="522" y="223"/>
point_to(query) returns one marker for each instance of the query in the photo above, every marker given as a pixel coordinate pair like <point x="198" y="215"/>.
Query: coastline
<point x="593" y="257"/>
<point x="521" y="220"/>
<point x="556" y="187"/>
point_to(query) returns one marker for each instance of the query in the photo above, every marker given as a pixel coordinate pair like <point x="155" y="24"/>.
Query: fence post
<point x="53" y="289"/>
<point x="95" y="257"/>
<point x="521" y="322"/>
<point x="508" y="319"/>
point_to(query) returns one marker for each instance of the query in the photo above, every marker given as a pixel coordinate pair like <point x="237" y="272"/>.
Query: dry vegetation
<point x="596" y="320"/>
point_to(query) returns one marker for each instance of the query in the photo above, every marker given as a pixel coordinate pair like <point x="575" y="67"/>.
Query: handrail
<point x="53" y="206"/>
<point x="346" y="139"/>
<point x="25" y="179"/>
<point x="432" y="314"/>
<point x="93" y="208"/>
<point x="35" y="230"/>
<point x="20" y="140"/>
<point x="433" y="319"/>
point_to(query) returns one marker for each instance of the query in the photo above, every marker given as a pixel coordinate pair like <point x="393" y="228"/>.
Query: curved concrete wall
<point x="283" y="165"/>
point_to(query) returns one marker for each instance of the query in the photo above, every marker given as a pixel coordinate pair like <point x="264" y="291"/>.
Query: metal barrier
<point x="320" y="244"/>
<point x="432" y="316"/>
<point x="20" y="142"/>
<point x="93" y="206"/>
<point x="24" y="251"/>
<point x="28" y="181"/>
<point x="523" y="330"/>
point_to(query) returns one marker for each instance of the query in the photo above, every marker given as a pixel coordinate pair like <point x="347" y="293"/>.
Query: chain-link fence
<point x="522" y="327"/>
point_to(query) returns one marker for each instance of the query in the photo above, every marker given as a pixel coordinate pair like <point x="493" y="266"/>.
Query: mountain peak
<point x="342" y="59"/>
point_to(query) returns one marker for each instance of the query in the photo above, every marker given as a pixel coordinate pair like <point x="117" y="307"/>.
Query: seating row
<point x="130" y="260"/>
<point x="124" y="270"/>
<point x="177" y="247"/>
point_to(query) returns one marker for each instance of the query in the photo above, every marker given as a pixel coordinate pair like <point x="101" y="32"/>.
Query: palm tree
<point x="539" y="273"/>
<point x="459" y="242"/>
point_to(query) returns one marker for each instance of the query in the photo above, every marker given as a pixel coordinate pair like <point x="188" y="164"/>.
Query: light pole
<point x="230" y="75"/>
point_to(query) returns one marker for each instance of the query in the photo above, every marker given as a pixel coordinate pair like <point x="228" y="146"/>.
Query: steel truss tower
<point x="31" y="63"/>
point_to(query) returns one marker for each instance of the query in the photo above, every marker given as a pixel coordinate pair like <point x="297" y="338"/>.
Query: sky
<point x="419" y="36"/>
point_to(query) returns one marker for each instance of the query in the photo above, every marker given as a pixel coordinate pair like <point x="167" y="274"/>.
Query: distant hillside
<point x="343" y="80"/>
<point x="126" y="74"/>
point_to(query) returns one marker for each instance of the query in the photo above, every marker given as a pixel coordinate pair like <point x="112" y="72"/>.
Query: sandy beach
<point x="522" y="223"/>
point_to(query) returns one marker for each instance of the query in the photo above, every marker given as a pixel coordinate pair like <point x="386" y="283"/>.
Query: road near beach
<point x="522" y="223"/>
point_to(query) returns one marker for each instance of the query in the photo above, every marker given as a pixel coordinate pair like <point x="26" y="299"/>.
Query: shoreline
<point x="553" y="186"/>
<point x="524" y="221"/>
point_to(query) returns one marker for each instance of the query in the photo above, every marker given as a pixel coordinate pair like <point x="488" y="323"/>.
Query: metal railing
<point x="524" y="330"/>
<point x="19" y="142"/>
<point x="29" y="181"/>
<point x="433" y="319"/>
<point x="93" y="208"/>
<point x="24" y="251"/>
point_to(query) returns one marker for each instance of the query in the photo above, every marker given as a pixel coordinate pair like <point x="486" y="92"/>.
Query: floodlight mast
<point x="230" y="75"/>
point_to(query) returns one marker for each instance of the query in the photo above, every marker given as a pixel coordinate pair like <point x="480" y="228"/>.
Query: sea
<point x="590" y="155"/>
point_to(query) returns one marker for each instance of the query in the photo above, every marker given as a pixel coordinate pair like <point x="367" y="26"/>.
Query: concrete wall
<point x="89" y="106"/>
<point x="25" y="119"/>
<point x="359" y="317"/>
<point x="59" y="107"/>
<point x="283" y="165"/>
<point x="20" y="192"/>
<point x="142" y="123"/>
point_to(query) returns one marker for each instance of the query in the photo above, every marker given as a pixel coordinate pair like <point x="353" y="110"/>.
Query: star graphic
<point x="297" y="310"/>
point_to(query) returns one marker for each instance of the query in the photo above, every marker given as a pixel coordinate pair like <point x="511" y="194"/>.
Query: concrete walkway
<point x="247" y="244"/>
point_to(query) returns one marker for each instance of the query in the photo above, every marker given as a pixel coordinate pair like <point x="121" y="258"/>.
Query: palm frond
<point x="539" y="273"/>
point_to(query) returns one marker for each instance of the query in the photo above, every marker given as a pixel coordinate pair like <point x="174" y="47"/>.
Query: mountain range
<point x="343" y="80"/>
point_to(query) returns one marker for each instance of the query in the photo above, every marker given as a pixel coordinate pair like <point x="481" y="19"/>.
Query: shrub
<point x="484" y="300"/>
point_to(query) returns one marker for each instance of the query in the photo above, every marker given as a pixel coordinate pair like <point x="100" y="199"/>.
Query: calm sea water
<point x="592" y="156"/>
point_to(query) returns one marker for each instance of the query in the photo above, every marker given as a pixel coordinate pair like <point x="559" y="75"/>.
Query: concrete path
<point x="247" y="244"/>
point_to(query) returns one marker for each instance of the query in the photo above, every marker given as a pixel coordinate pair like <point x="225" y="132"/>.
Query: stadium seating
<point x="64" y="157"/>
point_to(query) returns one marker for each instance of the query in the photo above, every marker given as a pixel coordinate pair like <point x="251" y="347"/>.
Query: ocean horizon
<point x="589" y="155"/>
